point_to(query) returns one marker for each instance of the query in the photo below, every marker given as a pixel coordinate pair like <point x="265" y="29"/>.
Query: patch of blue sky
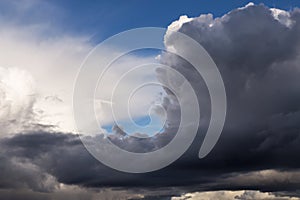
<point x="143" y="125"/>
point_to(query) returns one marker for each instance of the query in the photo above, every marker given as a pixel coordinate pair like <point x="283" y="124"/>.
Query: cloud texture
<point x="257" y="52"/>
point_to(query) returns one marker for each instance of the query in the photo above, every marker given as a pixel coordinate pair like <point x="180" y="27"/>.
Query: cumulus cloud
<point x="28" y="53"/>
<point x="257" y="52"/>
<point x="53" y="62"/>
<point x="260" y="76"/>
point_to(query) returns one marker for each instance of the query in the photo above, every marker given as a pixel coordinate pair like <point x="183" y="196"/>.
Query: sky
<point x="102" y="19"/>
<point x="52" y="121"/>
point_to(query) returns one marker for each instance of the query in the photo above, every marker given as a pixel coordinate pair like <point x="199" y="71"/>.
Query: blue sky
<point x="105" y="18"/>
<point x="102" y="19"/>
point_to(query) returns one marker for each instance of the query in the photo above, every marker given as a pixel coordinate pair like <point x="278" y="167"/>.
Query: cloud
<point x="257" y="52"/>
<point x="51" y="159"/>
<point x="260" y="76"/>
<point x="69" y="192"/>
<point x="17" y="89"/>
<point x="230" y="195"/>
<point x="53" y="61"/>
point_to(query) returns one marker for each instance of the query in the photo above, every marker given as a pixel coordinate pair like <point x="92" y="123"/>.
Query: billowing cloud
<point x="28" y="55"/>
<point x="52" y="63"/>
<point x="257" y="52"/>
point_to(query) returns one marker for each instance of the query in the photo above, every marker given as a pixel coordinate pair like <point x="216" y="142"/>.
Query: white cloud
<point x="17" y="96"/>
<point x="282" y="16"/>
<point x="231" y="195"/>
<point x="53" y="62"/>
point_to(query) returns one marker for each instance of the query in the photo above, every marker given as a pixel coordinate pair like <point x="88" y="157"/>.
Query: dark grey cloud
<point x="258" y="57"/>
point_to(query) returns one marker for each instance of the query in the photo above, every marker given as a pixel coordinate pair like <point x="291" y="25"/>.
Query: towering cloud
<point x="257" y="52"/>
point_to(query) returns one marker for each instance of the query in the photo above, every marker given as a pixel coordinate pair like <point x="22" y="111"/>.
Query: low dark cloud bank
<point x="258" y="57"/>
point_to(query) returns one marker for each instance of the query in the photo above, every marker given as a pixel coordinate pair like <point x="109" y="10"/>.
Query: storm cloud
<point x="257" y="50"/>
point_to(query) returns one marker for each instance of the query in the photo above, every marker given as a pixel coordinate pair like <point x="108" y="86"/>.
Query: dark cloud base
<point x="36" y="161"/>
